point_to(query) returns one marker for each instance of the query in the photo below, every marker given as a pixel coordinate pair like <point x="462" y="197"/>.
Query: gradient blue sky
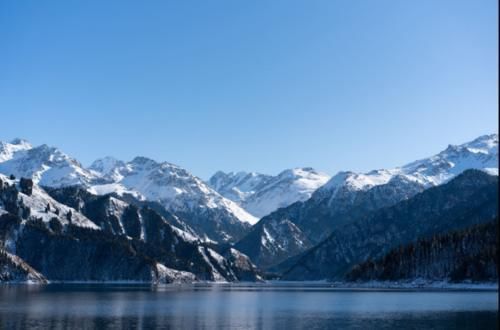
<point x="250" y="85"/>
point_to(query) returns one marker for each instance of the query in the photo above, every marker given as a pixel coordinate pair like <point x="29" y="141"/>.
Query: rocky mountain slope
<point x="238" y="186"/>
<point x="350" y="196"/>
<point x="261" y="194"/>
<point x="212" y="216"/>
<point x="102" y="238"/>
<point x="14" y="269"/>
<point x="469" y="199"/>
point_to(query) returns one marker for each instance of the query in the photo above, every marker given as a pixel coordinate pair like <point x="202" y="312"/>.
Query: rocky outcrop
<point x="14" y="269"/>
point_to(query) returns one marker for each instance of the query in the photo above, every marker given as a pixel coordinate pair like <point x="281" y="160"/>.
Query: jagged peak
<point x="480" y="153"/>
<point x="106" y="164"/>
<point x="142" y="160"/>
<point x="298" y="172"/>
<point x="149" y="162"/>
<point x="21" y="142"/>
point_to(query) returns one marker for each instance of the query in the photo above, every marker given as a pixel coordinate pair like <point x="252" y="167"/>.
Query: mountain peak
<point x="20" y="142"/>
<point x="8" y="150"/>
<point x="261" y="194"/>
<point x="480" y="153"/>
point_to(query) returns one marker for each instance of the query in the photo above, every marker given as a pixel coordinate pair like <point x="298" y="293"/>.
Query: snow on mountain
<point x="262" y="194"/>
<point x="68" y="234"/>
<point x="7" y="150"/>
<point x="210" y="215"/>
<point x="238" y="186"/>
<point x="145" y="179"/>
<point x="15" y="269"/>
<point x="481" y="153"/>
<point x="47" y="166"/>
<point x="169" y="184"/>
<point x="114" y="188"/>
<point x="44" y="207"/>
<point x="349" y="196"/>
<point x="286" y="188"/>
<point x="109" y="167"/>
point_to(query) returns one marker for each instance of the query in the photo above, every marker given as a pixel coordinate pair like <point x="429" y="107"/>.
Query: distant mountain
<point x="77" y="236"/>
<point x="261" y="194"/>
<point x="238" y="186"/>
<point x="468" y="199"/>
<point x="212" y="216"/>
<point x="469" y="254"/>
<point x="350" y="196"/>
<point x="481" y="153"/>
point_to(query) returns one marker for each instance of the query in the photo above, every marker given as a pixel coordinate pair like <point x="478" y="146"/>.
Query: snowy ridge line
<point x="261" y="194"/>
<point x="481" y="154"/>
<point x="177" y="190"/>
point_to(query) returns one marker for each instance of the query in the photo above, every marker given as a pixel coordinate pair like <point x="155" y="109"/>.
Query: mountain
<point x="110" y="168"/>
<point x="481" y="153"/>
<point x="209" y="214"/>
<point x="469" y="254"/>
<point x="468" y="199"/>
<point x="111" y="212"/>
<point x="7" y="150"/>
<point x="349" y="196"/>
<point x="238" y="186"/>
<point x="14" y="269"/>
<point x="47" y="166"/>
<point x="261" y="194"/>
<point x="212" y="216"/>
<point x="102" y="238"/>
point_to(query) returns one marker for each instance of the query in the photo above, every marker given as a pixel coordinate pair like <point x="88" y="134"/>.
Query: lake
<point x="241" y="306"/>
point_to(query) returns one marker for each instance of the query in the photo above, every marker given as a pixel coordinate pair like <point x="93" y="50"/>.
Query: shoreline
<point x="414" y="285"/>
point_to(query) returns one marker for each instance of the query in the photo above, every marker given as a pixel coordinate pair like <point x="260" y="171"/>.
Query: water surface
<point x="242" y="307"/>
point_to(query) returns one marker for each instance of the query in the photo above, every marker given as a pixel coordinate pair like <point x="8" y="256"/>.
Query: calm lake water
<point x="241" y="307"/>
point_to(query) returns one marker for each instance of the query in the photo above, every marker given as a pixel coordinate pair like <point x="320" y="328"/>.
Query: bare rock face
<point x="26" y="186"/>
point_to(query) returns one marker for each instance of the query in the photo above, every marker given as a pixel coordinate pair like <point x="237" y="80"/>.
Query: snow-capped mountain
<point x="110" y="168"/>
<point x="211" y="215"/>
<point x="262" y="194"/>
<point x="468" y="199"/>
<point x="238" y="186"/>
<point x="481" y="154"/>
<point x="35" y="202"/>
<point x="7" y="150"/>
<point x="349" y="196"/>
<point x="206" y="211"/>
<point x="47" y="166"/>
<point x="68" y="234"/>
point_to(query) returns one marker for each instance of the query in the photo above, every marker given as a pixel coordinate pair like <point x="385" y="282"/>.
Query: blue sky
<point x="250" y="85"/>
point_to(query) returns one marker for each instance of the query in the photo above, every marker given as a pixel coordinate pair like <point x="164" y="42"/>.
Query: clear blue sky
<point x="250" y="85"/>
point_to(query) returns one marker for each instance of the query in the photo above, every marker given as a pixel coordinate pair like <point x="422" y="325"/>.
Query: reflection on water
<point x="241" y="307"/>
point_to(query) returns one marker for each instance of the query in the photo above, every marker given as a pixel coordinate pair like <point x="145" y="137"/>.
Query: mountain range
<point x="209" y="214"/>
<point x="150" y="221"/>
<point x="468" y="199"/>
<point x="261" y="194"/>
<point x="348" y="196"/>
